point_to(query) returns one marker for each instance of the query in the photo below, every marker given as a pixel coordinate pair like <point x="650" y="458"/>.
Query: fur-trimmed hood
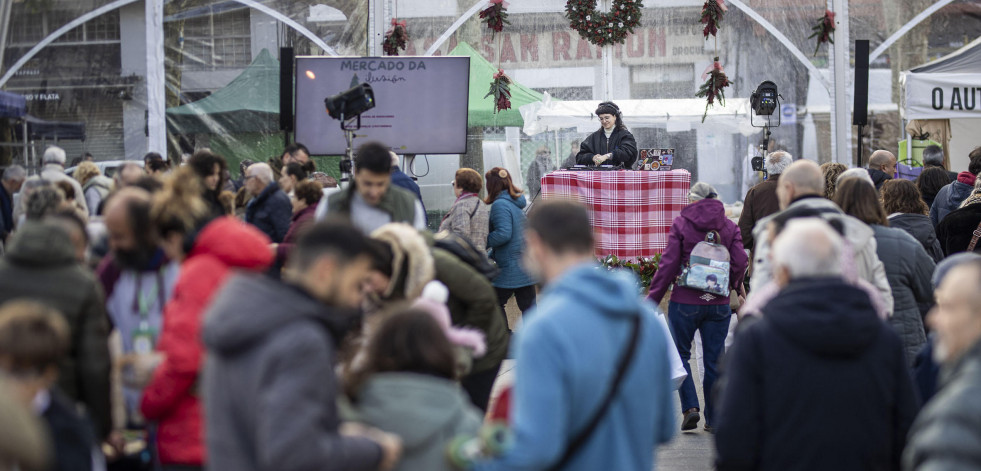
<point x="412" y="262"/>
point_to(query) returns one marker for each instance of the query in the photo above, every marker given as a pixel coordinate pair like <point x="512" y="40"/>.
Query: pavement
<point x="688" y="451"/>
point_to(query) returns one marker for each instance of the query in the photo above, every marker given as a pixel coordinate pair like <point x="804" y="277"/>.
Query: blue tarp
<point x="40" y="129"/>
<point x="12" y="105"/>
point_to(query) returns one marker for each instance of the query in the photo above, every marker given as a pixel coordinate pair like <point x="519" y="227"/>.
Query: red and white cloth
<point x="631" y="211"/>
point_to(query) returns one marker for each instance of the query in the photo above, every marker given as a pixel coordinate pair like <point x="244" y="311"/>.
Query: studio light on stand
<point x="764" y="102"/>
<point x="347" y="107"/>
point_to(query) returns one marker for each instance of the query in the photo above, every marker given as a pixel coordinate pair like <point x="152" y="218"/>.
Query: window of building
<point x="218" y="41"/>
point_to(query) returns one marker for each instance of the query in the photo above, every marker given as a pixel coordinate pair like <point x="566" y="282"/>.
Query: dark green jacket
<point x="399" y="203"/>
<point x="473" y="303"/>
<point x="40" y="266"/>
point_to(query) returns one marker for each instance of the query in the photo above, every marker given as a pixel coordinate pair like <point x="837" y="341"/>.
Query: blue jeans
<point x="713" y="323"/>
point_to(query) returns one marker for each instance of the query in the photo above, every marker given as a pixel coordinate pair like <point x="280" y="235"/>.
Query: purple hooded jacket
<point x="688" y="229"/>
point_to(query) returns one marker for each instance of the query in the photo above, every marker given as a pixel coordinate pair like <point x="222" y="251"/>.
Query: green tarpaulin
<point x="481" y="110"/>
<point x="250" y="103"/>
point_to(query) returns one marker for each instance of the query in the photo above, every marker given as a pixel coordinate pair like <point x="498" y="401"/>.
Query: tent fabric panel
<point x="249" y="103"/>
<point x="941" y="95"/>
<point x="41" y="129"/>
<point x="675" y="114"/>
<point x="964" y="60"/>
<point x="12" y="105"/>
<point x="480" y="109"/>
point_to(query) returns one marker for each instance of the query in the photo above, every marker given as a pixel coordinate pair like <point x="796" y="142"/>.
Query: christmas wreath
<point x="603" y="28"/>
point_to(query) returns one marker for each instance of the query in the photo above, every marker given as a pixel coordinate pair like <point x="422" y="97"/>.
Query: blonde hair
<point x="86" y="171"/>
<point x="179" y="207"/>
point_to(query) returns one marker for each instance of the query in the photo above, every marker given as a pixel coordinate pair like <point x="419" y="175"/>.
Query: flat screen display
<point x="420" y="103"/>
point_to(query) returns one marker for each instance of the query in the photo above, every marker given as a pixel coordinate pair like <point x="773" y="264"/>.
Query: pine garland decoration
<point x="824" y="30"/>
<point x="500" y="88"/>
<point x="714" y="86"/>
<point x="495" y="16"/>
<point x="712" y="13"/>
<point x="395" y="38"/>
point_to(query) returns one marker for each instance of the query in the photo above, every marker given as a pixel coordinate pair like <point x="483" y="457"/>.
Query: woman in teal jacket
<point x="506" y="239"/>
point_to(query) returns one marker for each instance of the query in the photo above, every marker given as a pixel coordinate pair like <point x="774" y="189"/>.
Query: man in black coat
<point x="820" y="382"/>
<point x="612" y="144"/>
<point x="270" y="210"/>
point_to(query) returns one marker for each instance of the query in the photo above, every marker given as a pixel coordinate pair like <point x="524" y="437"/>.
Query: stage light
<point x="351" y="103"/>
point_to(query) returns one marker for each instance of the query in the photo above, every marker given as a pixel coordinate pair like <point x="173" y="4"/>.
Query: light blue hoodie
<point x="566" y="357"/>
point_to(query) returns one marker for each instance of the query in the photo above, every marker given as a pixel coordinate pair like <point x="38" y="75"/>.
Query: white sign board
<point x="942" y="95"/>
<point x="421" y="103"/>
<point x="788" y="113"/>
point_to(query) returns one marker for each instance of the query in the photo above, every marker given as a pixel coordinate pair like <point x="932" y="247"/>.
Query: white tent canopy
<point x="949" y="87"/>
<point x="676" y="115"/>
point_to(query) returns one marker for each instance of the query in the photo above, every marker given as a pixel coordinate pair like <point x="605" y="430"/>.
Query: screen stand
<point x="347" y="163"/>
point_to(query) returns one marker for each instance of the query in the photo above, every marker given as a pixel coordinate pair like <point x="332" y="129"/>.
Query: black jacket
<point x="271" y="212"/>
<point x="908" y="268"/>
<point x="947" y="435"/>
<point x="40" y="266"/>
<point x="920" y="227"/>
<point x="878" y="177"/>
<point x="819" y="383"/>
<point x="622" y="144"/>
<point x="71" y="435"/>
<point x="956" y="230"/>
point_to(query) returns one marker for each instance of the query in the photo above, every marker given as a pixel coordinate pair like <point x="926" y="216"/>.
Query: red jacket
<point x="171" y="399"/>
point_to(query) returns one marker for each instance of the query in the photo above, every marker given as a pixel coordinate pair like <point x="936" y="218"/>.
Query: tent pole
<point x="840" y="124"/>
<point x="156" y="81"/>
<point x="858" y="153"/>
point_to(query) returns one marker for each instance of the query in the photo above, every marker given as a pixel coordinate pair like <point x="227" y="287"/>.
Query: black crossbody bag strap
<point x="576" y="444"/>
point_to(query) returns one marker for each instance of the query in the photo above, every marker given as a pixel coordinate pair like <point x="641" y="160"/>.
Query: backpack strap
<point x="475" y="207"/>
<point x="974" y="238"/>
<point x="577" y="443"/>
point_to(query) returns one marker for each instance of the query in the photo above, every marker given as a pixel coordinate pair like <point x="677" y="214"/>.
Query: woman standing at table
<point x="612" y="144"/>
<point x="506" y="240"/>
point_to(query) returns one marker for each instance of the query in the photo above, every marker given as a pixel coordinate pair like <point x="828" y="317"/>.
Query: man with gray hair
<point x="882" y="167"/>
<point x="54" y="172"/>
<point x="947" y="434"/>
<point x="801" y="187"/>
<point x="13" y="179"/>
<point x="860" y="173"/>
<point x="270" y="209"/>
<point x="818" y="362"/>
<point x="761" y="200"/>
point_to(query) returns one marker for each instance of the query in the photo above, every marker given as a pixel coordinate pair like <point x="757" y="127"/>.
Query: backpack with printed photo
<point x="708" y="267"/>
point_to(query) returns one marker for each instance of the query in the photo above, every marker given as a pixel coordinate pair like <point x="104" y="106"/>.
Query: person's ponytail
<point x="179" y="207"/>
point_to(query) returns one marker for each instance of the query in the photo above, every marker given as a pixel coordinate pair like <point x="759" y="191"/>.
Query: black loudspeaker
<point x="860" y="113"/>
<point x="286" y="88"/>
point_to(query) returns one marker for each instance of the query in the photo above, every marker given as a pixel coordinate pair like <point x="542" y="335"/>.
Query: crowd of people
<point x="172" y="317"/>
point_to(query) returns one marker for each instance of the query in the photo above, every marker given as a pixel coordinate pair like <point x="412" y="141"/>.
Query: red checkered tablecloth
<point x="631" y="211"/>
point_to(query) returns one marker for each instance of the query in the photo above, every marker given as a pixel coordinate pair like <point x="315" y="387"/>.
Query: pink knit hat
<point x="433" y="301"/>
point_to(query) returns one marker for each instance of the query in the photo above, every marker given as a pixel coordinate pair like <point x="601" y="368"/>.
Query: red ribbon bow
<point x="716" y="66"/>
<point x="396" y="22"/>
<point x="502" y="2"/>
<point x="499" y="74"/>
